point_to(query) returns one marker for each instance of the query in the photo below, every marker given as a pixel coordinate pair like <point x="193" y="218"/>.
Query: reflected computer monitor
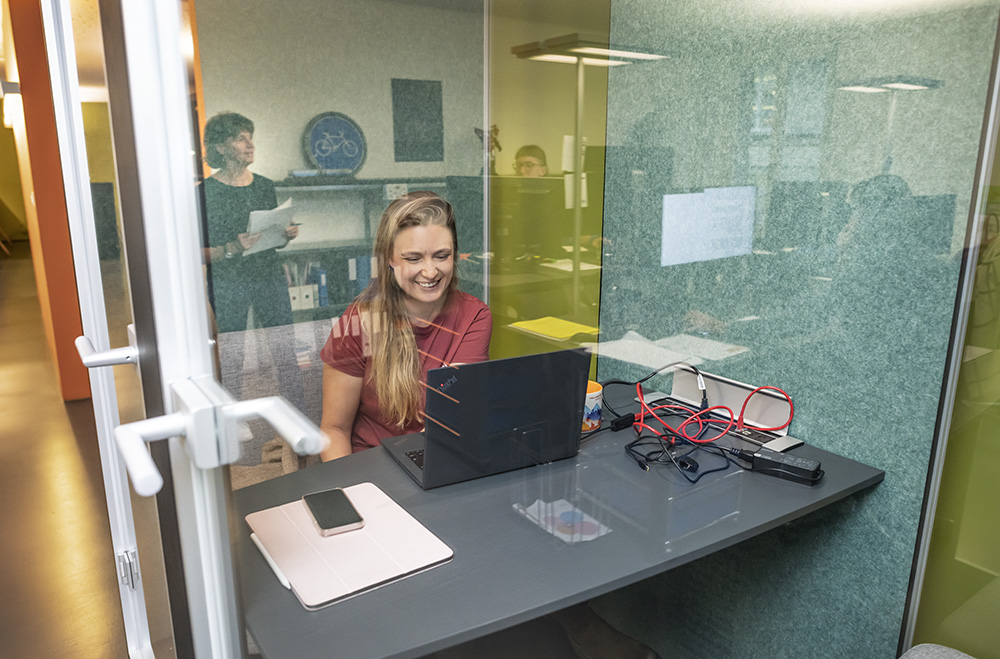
<point x="529" y="217"/>
<point x="712" y="224"/>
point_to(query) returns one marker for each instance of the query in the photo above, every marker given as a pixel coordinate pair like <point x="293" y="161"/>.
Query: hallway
<point x="60" y="598"/>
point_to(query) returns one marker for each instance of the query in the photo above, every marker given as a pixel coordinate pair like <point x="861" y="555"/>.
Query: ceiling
<point x="727" y="13"/>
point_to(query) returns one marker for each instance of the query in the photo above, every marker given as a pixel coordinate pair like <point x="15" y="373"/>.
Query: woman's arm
<point x="243" y="242"/>
<point x="341" y="398"/>
<point x="475" y="342"/>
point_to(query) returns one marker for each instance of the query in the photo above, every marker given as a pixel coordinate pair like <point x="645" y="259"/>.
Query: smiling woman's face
<point x="423" y="262"/>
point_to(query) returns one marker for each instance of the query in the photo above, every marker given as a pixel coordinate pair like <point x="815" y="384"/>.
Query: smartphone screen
<point x="333" y="512"/>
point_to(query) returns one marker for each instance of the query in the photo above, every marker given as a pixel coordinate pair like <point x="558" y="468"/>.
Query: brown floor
<point x="58" y="593"/>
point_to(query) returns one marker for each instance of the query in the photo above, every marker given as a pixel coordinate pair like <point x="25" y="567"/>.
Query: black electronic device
<point x="332" y="512"/>
<point x="490" y="417"/>
<point x="783" y="465"/>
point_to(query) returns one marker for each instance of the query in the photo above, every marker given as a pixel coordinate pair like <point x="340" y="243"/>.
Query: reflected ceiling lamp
<point x="576" y="48"/>
<point x="890" y="84"/>
<point x="893" y="85"/>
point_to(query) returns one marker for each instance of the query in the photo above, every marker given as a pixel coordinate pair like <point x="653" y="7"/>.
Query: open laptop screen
<point x="495" y="416"/>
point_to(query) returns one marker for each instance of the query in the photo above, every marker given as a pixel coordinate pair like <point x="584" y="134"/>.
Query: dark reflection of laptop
<point x="496" y="416"/>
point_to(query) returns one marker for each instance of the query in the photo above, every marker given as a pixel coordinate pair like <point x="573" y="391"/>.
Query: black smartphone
<point x="332" y="512"/>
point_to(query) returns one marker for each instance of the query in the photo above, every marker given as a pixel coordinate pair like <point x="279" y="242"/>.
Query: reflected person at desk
<point x="530" y="161"/>
<point x="411" y="318"/>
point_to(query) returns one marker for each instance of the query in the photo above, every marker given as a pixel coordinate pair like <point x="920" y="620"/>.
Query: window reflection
<point x="832" y="274"/>
<point x="846" y="294"/>
<point x="341" y="126"/>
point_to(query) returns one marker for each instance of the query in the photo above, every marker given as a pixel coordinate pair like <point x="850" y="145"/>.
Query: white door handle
<point x="212" y="412"/>
<point x="131" y="439"/>
<point x="207" y="411"/>
<point x="294" y="427"/>
<point x="92" y="359"/>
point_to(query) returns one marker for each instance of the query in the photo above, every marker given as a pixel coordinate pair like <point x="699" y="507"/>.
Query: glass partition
<point x="786" y="200"/>
<point x="352" y="104"/>
<point x="548" y="92"/>
<point x="961" y="590"/>
<point x="777" y="193"/>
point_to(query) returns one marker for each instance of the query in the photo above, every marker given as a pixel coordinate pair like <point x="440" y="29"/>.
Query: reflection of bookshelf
<point x="338" y="210"/>
<point x="338" y="217"/>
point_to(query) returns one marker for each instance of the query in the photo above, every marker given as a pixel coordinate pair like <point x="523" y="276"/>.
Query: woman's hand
<point x="291" y="231"/>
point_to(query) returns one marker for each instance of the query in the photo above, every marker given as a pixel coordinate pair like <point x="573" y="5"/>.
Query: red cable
<point x="699" y="417"/>
<point x="791" y="410"/>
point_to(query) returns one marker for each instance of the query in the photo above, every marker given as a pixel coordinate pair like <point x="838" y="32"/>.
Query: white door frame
<point x="161" y="134"/>
<point x="79" y="207"/>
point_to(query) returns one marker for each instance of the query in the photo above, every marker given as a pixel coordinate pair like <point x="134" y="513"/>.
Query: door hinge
<point x="128" y="568"/>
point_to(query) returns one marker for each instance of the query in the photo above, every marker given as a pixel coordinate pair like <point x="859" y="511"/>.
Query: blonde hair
<point x="395" y="362"/>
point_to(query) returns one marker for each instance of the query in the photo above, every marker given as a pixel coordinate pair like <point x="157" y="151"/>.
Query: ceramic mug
<point x="592" y="406"/>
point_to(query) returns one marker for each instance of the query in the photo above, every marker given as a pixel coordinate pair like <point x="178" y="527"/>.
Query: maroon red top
<point x="459" y="334"/>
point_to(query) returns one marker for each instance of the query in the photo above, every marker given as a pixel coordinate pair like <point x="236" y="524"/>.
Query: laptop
<point x="490" y="417"/>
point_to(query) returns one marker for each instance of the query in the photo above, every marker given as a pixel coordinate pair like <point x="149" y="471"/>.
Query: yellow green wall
<point x="534" y="102"/>
<point x="97" y="131"/>
<point x="12" y="215"/>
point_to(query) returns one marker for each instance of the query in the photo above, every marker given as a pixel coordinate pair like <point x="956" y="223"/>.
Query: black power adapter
<point x="789" y="467"/>
<point x="622" y="422"/>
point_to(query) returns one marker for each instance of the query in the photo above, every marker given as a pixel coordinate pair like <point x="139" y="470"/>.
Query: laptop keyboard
<point x="417" y="457"/>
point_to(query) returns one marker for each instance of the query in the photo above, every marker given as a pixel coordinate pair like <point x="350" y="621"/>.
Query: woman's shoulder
<point x="262" y="181"/>
<point x="352" y="311"/>
<point x="211" y="184"/>
<point x="467" y="302"/>
<point x="348" y="326"/>
<point x="256" y="183"/>
<point x="466" y="309"/>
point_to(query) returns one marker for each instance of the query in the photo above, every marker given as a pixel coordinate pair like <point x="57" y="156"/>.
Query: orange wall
<point x="48" y="227"/>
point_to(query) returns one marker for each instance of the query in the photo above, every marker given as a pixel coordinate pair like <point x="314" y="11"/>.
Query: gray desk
<point x="508" y="570"/>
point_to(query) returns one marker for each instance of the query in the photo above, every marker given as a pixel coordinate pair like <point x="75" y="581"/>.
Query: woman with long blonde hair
<point x="410" y="318"/>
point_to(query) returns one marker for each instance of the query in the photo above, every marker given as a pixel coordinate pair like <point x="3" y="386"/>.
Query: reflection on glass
<point x="339" y="144"/>
<point x="248" y="284"/>
<point x="549" y="103"/>
<point x="837" y="283"/>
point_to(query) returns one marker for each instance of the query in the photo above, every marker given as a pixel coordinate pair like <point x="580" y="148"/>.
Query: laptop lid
<point x="490" y="417"/>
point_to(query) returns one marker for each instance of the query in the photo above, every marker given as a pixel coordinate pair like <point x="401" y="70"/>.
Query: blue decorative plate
<point x="333" y="142"/>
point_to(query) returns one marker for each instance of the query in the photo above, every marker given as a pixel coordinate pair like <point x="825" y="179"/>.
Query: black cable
<point x="607" y="406"/>
<point x="596" y="431"/>
<point x="662" y="454"/>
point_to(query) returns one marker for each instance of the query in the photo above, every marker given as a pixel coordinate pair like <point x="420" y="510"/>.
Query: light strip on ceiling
<point x="905" y="85"/>
<point x="610" y="52"/>
<point x="569" y="59"/>
<point x="863" y="89"/>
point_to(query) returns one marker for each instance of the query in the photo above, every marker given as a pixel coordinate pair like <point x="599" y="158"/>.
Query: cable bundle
<point x="657" y="441"/>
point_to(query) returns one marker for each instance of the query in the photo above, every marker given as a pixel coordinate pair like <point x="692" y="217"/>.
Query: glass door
<point x="141" y="527"/>
<point x="190" y="419"/>
<point x="224" y="381"/>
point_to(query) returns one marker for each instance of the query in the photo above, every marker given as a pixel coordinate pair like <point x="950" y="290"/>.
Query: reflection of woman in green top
<point x="238" y="283"/>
